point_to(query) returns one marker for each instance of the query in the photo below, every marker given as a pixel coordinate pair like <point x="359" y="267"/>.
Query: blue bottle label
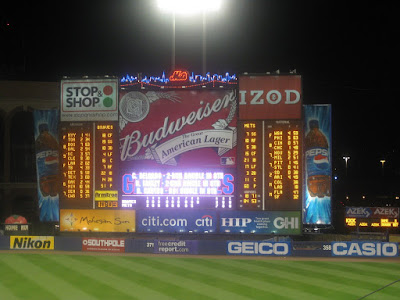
<point x="317" y="160"/>
<point x="47" y="163"/>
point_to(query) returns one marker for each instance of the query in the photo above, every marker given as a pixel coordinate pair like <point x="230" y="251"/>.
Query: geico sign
<point x="258" y="97"/>
<point x="364" y="249"/>
<point x="260" y="248"/>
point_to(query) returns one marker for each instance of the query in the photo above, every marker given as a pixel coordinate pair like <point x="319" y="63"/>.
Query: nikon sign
<point x="89" y="100"/>
<point x="32" y="242"/>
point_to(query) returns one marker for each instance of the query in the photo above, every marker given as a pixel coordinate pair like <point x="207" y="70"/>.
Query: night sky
<point x="346" y="51"/>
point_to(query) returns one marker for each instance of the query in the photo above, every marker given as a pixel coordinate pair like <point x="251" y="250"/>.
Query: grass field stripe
<point x="198" y="287"/>
<point x="5" y="293"/>
<point x="305" y="280"/>
<point x="344" y="271"/>
<point x="314" y="271"/>
<point x="195" y="264"/>
<point x="211" y="280"/>
<point x="337" y="269"/>
<point x="383" y="270"/>
<point x="146" y="280"/>
<point x="12" y="279"/>
<point x="45" y="279"/>
<point x="318" y="268"/>
<point x="91" y="285"/>
<point x="125" y="286"/>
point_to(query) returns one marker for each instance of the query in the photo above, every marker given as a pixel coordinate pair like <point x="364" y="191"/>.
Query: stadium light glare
<point x="189" y="7"/>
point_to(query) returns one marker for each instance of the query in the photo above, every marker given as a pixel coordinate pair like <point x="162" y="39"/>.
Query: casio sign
<point x="258" y="248"/>
<point x="257" y="97"/>
<point x="364" y="249"/>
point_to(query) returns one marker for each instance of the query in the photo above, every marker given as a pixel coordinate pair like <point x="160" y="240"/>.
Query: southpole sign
<point x="89" y="100"/>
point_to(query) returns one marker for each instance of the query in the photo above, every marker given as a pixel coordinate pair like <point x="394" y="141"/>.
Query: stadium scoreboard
<point x="89" y="165"/>
<point x="181" y="149"/>
<point x="270" y="168"/>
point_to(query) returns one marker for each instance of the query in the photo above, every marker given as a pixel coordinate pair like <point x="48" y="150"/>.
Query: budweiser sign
<point x="178" y="128"/>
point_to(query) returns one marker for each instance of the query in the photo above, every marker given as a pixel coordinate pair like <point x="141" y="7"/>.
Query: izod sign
<point x="89" y="100"/>
<point x="270" y="97"/>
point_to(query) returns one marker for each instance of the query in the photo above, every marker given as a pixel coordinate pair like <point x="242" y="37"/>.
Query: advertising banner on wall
<point x="103" y="245"/>
<point x="47" y="163"/>
<point x="176" y="247"/>
<point x="318" y="165"/>
<point x="366" y="249"/>
<point x="177" y="143"/>
<point x="270" y="97"/>
<point x="97" y="220"/>
<point x="89" y="100"/>
<point x="260" y="222"/>
<point x="32" y="242"/>
<point x="172" y="221"/>
<point x="263" y="248"/>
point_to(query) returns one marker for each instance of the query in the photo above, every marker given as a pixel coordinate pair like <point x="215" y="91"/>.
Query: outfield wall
<point x="237" y="247"/>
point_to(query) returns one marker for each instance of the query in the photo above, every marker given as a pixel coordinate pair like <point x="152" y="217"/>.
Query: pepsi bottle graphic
<point x="317" y="162"/>
<point x="47" y="161"/>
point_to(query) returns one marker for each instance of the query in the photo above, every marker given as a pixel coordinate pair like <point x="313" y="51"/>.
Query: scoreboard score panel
<point x="89" y="165"/>
<point x="270" y="175"/>
<point x="372" y="217"/>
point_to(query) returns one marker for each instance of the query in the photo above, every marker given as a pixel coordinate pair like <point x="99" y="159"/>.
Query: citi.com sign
<point x="89" y="100"/>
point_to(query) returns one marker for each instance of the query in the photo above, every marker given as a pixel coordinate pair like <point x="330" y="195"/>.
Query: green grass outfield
<point x="65" y="276"/>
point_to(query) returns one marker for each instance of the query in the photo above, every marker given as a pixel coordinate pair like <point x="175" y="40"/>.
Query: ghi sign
<point x="270" y="97"/>
<point x="89" y="100"/>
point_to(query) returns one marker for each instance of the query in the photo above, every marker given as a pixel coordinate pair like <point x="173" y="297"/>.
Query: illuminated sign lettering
<point x="283" y="165"/>
<point x="76" y="165"/>
<point x="179" y="189"/>
<point x="372" y="222"/>
<point x="179" y="76"/>
<point x="105" y="167"/>
<point x="250" y="172"/>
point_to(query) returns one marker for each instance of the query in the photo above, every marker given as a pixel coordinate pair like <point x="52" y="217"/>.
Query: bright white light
<point x="189" y="7"/>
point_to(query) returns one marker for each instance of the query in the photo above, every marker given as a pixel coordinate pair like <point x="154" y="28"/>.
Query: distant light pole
<point x="382" y="161"/>
<point x="189" y="7"/>
<point x="346" y="158"/>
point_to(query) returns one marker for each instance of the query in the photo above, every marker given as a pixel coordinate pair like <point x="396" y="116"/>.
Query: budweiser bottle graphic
<point x="317" y="162"/>
<point x="47" y="161"/>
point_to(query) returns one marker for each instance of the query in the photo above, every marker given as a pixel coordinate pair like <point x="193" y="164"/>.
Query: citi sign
<point x="258" y="248"/>
<point x="371" y="249"/>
